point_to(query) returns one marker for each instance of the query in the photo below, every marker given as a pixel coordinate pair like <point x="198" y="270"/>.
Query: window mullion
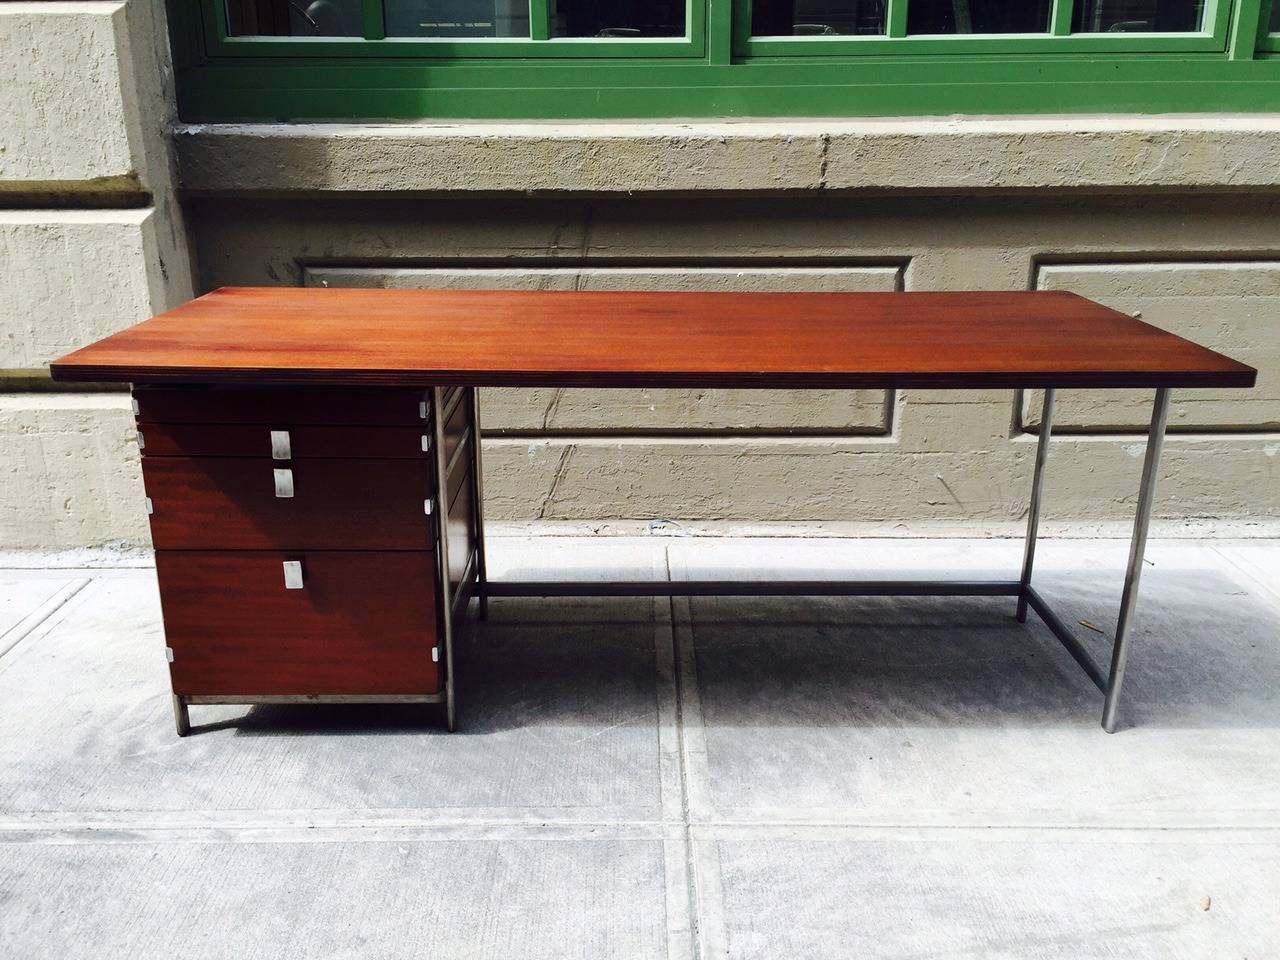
<point x="896" y="19"/>
<point x="540" y="19"/>
<point x="1247" y="29"/>
<point x="373" y="20"/>
<point x="1060" y="25"/>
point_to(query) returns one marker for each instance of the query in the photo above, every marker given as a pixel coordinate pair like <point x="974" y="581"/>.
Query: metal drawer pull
<point x="280" y="448"/>
<point x="293" y="574"/>
<point x="284" y="483"/>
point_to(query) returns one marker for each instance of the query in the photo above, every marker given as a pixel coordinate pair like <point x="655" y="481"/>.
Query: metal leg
<point x="1037" y="489"/>
<point x="181" y="719"/>
<point x="1129" y="600"/>
<point x="442" y="543"/>
<point x="477" y="487"/>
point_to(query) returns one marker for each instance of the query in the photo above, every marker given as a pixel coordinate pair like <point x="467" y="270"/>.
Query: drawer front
<point x="360" y="624"/>
<point x="213" y="503"/>
<point x="294" y="443"/>
<point x="283" y="407"/>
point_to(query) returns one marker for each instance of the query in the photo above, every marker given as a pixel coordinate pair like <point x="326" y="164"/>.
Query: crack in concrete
<point x="561" y="470"/>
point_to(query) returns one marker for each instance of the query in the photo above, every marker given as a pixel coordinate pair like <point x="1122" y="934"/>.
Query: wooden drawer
<point x="283" y="407"/>
<point x="297" y="443"/>
<point x="361" y="624"/>
<point x="214" y="503"/>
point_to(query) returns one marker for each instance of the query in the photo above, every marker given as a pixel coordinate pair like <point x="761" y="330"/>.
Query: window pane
<point x="456" y="18"/>
<point x="978" y="16"/>
<point x="1137" y="16"/>
<point x="294" y="18"/>
<point x="617" y="18"/>
<point x="1275" y="16"/>
<point x="817" y="18"/>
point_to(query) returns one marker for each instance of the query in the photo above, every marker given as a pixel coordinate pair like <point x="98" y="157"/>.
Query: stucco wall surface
<point x="1172" y="217"/>
<point x="92" y="239"/>
<point x="968" y="154"/>
<point x="1203" y="266"/>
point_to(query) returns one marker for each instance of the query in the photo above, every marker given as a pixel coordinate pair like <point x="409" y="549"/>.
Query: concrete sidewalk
<point x="751" y="778"/>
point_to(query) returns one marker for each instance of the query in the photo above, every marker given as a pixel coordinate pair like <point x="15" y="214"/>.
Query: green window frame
<point x="719" y="70"/>
<point x="1058" y="39"/>
<point x="1270" y="31"/>
<point x="376" y="43"/>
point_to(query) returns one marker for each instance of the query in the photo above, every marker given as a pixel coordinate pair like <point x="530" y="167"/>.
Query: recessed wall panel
<point x="1233" y="307"/>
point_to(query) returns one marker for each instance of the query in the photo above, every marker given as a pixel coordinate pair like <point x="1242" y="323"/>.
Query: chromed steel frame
<point x="442" y="553"/>
<point x="1110" y="683"/>
<point x="477" y="504"/>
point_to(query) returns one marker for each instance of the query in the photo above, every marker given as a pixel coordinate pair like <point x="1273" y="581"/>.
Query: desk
<point x="313" y="465"/>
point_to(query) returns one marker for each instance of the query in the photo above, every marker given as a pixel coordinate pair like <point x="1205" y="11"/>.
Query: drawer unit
<point x="246" y="503"/>
<point x="297" y="534"/>
<point x="351" y="623"/>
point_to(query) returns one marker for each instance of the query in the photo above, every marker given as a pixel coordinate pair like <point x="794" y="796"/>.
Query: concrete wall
<point x="1205" y="266"/>
<point x="103" y="199"/>
<point x="92" y="239"/>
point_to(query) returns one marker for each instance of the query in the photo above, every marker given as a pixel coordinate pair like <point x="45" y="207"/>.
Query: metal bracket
<point x="168" y="654"/>
<point x="151" y="507"/>
<point x="142" y="441"/>
<point x="293" y="574"/>
<point x="426" y="443"/>
<point x="423" y="410"/>
<point x="428" y="505"/>
<point x="284" y="483"/>
<point x="280" y="446"/>
<point x="435" y="654"/>
<point x="136" y="409"/>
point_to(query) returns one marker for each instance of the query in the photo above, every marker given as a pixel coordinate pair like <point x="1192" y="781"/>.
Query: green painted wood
<point x="720" y="72"/>
<point x="540" y="19"/>
<point x="373" y="18"/>
<point x="1060" y="21"/>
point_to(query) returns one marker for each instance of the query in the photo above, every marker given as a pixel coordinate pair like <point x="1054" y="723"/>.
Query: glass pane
<point x="617" y="18"/>
<point x="978" y="16"/>
<point x="1275" y="16"/>
<point x="294" y="18"/>
<point x="817" y="18"/>
<point x="1137" y="16"/>
<point x="456" y="18"/>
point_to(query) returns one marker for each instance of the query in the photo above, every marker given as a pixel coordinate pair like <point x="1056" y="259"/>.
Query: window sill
<point x="944" y="155"/>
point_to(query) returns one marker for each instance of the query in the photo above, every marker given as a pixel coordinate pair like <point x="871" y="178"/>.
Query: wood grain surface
<point x="363" y="623"/>
<point x="289" y="335"/>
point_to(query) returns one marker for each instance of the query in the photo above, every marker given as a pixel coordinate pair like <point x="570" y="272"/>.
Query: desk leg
<point x="181" y="718"/>
<point x="1137" y="549"/>
<point x="477" y="488"/>
<point x="442" y="553"/>
<point x="1037" y="489"/>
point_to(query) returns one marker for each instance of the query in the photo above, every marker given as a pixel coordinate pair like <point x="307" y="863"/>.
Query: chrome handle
<point x="284" y="483"/>
<point x="280" y="446"/>
<point x="293" y="574"/>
